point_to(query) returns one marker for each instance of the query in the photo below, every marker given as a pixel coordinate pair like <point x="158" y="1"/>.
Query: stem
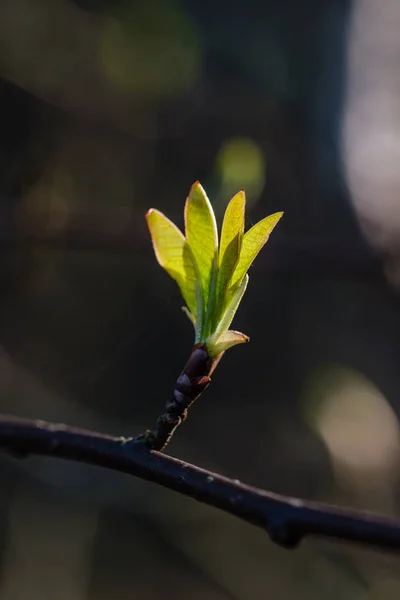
<point x="287" y="520"/>
<point x="191" y="383"/>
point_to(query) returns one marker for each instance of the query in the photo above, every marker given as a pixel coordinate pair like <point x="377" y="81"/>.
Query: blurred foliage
<point x="150" y="49"/>
<point x="108" y="108"/>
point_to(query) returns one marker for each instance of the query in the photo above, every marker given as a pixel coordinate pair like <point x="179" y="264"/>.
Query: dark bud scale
<point x="192" y="382"/>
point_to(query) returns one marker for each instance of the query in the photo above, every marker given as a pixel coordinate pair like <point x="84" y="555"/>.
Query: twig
<point x="191" y="383"/>
<point x="287" y="520"/>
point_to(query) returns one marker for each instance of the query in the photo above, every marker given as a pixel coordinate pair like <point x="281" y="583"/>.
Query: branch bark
<point x="287" y="520"/>
<point x="191" y="383"/>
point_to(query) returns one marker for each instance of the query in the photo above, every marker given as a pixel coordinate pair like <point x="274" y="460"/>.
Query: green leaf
<point x="224" y="341"/>
<point x="236" y="295"/>
<point x="212" y="280"/>
<point x="174" y="255"/>
<point x="232" y="228"/>
<point x="202" y="237"/>
<point x="230" y="244"/>
<point x="253" y="241"/>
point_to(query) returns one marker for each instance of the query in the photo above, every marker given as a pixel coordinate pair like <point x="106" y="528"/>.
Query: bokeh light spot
<point x="371" y="123"/>
<point x="241" y="165"/>
<point x="386" y="589"/>
<point x="357" y="424"/>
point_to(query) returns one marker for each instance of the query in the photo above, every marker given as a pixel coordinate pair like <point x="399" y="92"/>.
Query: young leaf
<point x="174" y="255"/>
<point x="230" y="244"/>
<point x="230" y="311"/>
<point x="189" y="316"/>
<point x="202" y="236"/>
<point x="253" y="241"/>
<point x="212" y="280"/>
<point x="224" y="341"/>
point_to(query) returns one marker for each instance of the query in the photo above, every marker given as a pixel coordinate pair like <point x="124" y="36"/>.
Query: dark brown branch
<point x="287" y="520"/>
<point x="191" y="383"/>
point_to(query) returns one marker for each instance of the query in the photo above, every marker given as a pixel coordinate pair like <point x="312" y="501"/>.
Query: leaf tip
<point x="242" y="194"/>
<point x="217" y="344"/>
<point x="196" y="187"/>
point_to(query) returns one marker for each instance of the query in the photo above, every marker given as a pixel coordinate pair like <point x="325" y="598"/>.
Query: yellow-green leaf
<point x="235" y="297"/>
<point x="231" y="242"/>
<point x="174" y="255"/>
<point x="217" y="345"/>
<point x="253" y="241"/>
<point x="202" y="236"/>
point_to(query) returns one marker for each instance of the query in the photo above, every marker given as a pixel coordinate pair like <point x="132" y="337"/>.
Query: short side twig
<point x="191" y="383"/>
<point x="287" y="520"/>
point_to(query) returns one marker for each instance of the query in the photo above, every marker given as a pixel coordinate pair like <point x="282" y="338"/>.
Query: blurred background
<point x="110" y="108"/>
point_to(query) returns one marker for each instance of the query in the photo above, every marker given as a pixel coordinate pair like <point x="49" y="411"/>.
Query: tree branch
<point x="287" y="520"/>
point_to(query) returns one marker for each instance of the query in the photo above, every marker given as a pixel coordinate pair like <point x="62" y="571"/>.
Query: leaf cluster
<point x="211" y="273"/>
